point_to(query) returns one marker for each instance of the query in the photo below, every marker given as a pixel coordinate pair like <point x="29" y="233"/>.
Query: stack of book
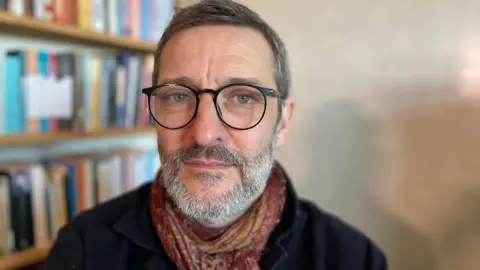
<point x="137" y="19"/>
<point x="36" y="200"/>
<point x="48" y="92"/>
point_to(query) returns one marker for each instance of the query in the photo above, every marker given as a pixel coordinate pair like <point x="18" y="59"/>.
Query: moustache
<point x="218" y="152"/>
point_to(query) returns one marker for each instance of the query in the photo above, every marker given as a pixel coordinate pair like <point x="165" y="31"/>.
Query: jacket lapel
<point x="136" y="226"/>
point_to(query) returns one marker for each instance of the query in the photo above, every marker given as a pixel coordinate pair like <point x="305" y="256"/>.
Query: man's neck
<point x="220" y="223"/>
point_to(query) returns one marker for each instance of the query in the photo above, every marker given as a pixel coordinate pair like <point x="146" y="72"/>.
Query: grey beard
<point x="254" y="173"/>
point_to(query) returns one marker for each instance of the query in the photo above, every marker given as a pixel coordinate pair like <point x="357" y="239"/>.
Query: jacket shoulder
<point x="68" y="251"/>
<point x="345" y="244"/>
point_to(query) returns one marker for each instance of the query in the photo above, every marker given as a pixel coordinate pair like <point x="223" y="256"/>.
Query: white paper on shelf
<point x="64" y="97"/>
<point x="49" y="105"/>
<point x="47" y="97"/>
<point x="32" y="91"/>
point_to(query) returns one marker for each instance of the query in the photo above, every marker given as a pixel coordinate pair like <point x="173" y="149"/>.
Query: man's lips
<point x="207" y="164"/>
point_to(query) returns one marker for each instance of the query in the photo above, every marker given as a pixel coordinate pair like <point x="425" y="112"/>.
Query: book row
<point x="36" y="200"/>
<point x="137" y="19"/>
<point x="47" y="92"/>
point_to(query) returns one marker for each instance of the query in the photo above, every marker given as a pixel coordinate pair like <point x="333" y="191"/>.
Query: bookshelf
<point x="28" y="138"/>
<point x="30" y="27"/>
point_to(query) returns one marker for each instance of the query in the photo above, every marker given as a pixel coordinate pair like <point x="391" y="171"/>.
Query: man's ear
<point x="288" y="111"/>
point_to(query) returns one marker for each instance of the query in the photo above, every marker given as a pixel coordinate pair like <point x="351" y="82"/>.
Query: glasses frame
<point x="215" y="92"/>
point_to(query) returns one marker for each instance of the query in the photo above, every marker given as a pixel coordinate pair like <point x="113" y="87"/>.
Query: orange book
<point x="65" y="11"/>
<point x="29" y="8"/>
<point x="88" y="183"/>
<point x="60" y="207"/>
<point x="96" y="92"/>
<point x="84" y="14"/>
<point x="32" y="70"/>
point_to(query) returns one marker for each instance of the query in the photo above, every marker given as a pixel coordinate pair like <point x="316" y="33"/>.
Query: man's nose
<point x="207" y="128"/>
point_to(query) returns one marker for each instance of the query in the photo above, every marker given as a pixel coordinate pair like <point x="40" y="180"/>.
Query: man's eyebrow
<point x="178" y="80"/>
<point x="221" y="82"/>
<point x="233" y="80"/>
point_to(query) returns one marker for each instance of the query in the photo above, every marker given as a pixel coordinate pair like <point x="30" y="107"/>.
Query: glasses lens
<point x="173" y="106"/>
<point x="241" y="106"/>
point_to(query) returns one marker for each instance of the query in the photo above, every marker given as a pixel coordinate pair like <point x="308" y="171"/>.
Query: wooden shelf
<point x="31" y="27"/>
<point x="24" y="258"/>
<point x="30" y="138"/>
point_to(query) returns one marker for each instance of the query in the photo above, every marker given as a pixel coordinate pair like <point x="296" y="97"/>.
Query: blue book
<point x="122" y="89"/>
<point x="13" y="93"/>
<point x="146" y="20"/>
<point x="72" y="192"/>
<point x="22" y="108"/>
<point x="43" y="70"/>
<point x="104" y="91"/>
<point x="122" y="15"/>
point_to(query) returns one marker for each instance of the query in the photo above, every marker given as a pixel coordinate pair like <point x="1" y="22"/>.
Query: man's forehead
<point x="217" y="32"/>
<point x="217" y="41"/>
<point x="222" y="53"/>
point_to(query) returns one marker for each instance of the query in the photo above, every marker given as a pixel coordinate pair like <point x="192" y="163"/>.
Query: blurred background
<point x="386" y="132"/>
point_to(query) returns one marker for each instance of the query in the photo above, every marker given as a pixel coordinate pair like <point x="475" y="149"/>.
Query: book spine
<point x="43" y="60"/>
<point x="53" y="75"/>
<point x="17" y="7"/>
<point x="12" y="92"/>
<point x="32" y="70"/>
<point x="39" y="206"/>
<point x="39" y="9"/>
<point x="95" y="98"/>
<point x="84" y="14"/>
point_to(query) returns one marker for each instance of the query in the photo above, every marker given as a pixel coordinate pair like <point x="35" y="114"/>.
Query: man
<point x="220" y="101"/>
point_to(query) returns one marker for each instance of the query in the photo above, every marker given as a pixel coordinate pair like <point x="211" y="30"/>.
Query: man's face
<point x="212" y="171"/>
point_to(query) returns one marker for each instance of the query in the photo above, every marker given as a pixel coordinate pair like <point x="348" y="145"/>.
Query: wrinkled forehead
<point x="209" y="54"/>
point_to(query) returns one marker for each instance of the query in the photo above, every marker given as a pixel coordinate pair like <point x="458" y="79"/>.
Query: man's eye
<point x="243" y="99"/>
<point x="174" y="97"/>
<point x="178" y="97"/>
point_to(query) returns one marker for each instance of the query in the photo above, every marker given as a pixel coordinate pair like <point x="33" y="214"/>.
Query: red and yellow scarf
<point x="237" y="246"/>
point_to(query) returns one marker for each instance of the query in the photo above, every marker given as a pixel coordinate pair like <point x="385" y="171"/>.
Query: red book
<point x="52" y="68"/>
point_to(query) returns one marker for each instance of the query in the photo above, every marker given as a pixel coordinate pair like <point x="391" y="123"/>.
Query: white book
<point x="112" y="7"/>
<point x="6" y="233"/>
<point x="17" y="7"/>
<point x="39" y="9"/>
<point x="39" y="209"/>
<point x="103" y="179"/>
<point x="88" y="184"/>
<point x="98" y="12"/>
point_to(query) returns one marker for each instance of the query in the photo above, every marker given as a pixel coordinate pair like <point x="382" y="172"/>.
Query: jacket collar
<point x="136" y="225"/>
<point x="284" y="236"/>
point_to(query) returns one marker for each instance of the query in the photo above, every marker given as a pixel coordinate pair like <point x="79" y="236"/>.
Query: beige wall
<point x="383" y="136"/>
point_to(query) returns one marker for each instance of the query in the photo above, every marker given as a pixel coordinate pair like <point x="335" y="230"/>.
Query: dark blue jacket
<point x="119" y="235"/>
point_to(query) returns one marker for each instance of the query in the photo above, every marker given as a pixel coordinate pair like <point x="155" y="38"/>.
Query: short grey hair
<point x="227" y="12"/>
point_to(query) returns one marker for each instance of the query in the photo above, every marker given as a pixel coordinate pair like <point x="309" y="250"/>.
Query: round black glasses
<point x="240" y="106"/>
